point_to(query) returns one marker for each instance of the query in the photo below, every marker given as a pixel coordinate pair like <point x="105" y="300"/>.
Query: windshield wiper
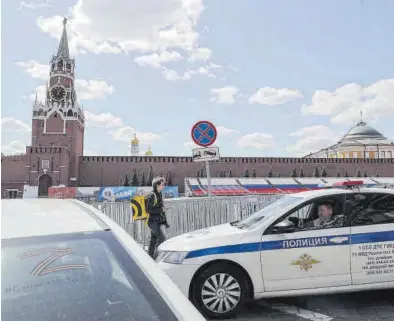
<point x="234" y="222"/>
<point x="237" y="224"/>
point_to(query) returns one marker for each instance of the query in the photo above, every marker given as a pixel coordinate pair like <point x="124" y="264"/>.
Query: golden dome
<point x="135" y="140"/>
<point x="148" y="152"/>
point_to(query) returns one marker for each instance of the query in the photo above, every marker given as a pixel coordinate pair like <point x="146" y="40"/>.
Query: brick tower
<point x="57" y="127"/>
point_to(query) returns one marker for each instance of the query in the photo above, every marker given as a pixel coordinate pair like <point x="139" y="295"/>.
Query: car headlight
<point x="171" y="257"/>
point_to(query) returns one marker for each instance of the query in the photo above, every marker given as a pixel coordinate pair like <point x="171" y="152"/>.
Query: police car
<point x="65" y="260"/>
<point x="314" y="242"/>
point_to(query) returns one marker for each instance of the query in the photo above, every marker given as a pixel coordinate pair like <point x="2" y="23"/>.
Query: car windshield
<point x="75" y="278"/>
<point x="272" y="209"/>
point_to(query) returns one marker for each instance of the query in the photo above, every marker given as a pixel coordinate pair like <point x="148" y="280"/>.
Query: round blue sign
<point x="204" y="133"/>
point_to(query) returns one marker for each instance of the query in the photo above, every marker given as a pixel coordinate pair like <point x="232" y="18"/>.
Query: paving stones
<point x="361" y="306"/>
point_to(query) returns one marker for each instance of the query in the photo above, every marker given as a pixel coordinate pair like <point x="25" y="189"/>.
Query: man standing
<point x="157" y="217"/>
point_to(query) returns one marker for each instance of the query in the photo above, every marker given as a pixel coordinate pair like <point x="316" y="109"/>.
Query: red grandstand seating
<point x="243" y="186"/>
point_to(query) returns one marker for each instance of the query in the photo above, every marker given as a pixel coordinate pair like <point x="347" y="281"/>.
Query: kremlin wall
<point x="55" y="156"/>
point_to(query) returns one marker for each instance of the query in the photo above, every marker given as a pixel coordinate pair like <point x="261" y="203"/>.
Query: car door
<point x="307" y="257"/>
<point x="372" y="237"/>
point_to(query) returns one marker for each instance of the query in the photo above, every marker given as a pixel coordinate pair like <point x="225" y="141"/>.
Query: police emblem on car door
<point x="305" y="262"/>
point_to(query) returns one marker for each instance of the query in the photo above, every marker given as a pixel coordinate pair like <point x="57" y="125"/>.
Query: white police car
<point x="65" y="260"/>
<point x="286" y="249"/>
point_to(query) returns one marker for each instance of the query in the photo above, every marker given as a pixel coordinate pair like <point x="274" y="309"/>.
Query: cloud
<point x="33" y="4"/>
<point x="119" y="131"/>
<point x="225" y="95"/>
<point x="155" y="60"/>
<point x="34" y="69"/>
<point x="173" y="75"/>
<point x="203" y="71"/>
<point x="93" y="89"/>
<point x="104" y="120"/>
<point x="152" y="25"/>
<point x="345" y="103"/>
<point x="14" y="125"/>
<point x="224" y="131"/>
<point x="126" y="133"/>
<point x="273" y="96"/>
<point x="201" y="54"/>
<point x="14" y="147"/>
<point x="86" y="89"/>
<point x="213" y="65"/>
<point x="256" y="140"/>
<point x="312" y="139"/>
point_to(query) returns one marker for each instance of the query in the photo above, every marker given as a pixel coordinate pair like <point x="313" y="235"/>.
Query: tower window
<point x="45" y="164"/>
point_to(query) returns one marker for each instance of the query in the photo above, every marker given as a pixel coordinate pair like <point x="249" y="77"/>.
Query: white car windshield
<point x="272" y="209"/>
<point x="75" y="277"/>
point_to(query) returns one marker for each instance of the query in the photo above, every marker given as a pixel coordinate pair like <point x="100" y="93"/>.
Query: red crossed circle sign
<point x="204" y="133"/>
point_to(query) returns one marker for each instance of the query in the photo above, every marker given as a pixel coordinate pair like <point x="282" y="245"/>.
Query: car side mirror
<point x="285" y="226"/>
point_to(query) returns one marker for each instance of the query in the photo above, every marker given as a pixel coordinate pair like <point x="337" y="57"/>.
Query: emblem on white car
<point x="305" y="262"/>
<point x="338" y="239"/>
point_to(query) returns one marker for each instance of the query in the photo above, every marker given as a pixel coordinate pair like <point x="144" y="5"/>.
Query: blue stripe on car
<point x="317" y="241"/>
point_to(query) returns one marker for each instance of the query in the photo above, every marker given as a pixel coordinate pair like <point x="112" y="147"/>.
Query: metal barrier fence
<point x="188" y="214"/>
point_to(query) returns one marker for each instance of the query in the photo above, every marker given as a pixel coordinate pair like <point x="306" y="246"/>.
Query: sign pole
<point x="208" y="170"/>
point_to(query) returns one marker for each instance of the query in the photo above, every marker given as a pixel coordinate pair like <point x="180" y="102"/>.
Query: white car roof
<point x="333" y="191"/>
<point x="35" y="217"/>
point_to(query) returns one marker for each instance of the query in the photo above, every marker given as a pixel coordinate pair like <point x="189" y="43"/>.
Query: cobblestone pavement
<point x="361" y="306"/>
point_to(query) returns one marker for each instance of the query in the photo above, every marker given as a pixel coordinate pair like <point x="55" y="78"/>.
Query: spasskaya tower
<point x="58" y="125"/>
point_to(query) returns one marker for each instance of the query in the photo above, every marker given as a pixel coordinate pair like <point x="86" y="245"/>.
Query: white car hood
<point x="224" y="234"/>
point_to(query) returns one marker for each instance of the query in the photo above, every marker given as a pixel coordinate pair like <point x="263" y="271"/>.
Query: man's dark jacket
<point x="154" y="206"/>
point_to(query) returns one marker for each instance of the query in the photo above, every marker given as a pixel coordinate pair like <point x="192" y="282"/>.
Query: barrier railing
<point x="188" y="214"/>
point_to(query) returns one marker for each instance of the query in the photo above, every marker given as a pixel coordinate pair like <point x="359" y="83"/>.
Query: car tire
<point x="231" y="291"/>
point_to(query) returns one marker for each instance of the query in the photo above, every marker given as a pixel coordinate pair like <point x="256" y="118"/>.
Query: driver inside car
<point x="325" y="219"/>
<point x="324" y="213"/>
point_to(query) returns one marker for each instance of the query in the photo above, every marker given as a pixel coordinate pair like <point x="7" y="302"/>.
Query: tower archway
<point x="44" y="183"/>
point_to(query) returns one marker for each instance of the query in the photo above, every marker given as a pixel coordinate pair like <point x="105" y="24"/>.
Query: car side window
<point x="321" y="213"/>
<point x="302" y="213"/>
<point x="370" y="208"/>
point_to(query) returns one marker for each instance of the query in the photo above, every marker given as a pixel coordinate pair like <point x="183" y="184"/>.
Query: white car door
<point x="372" y="237"/>
<point x="309" y="257"/>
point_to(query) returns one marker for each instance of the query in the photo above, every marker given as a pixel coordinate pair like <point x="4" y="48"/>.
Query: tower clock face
<point x="58" y="93"/>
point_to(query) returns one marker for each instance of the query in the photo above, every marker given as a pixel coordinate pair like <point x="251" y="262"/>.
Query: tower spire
<point x="63" y="50"/>
<point x="361" y="121"/>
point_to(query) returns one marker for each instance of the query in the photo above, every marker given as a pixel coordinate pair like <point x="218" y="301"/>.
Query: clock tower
<point x="58" y="125"/>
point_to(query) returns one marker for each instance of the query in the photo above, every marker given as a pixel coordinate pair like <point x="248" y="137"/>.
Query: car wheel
<point x="220" y="291"/>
